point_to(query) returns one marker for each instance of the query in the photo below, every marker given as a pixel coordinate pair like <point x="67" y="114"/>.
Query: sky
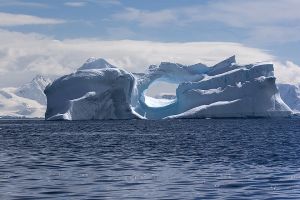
<point x="54" y="38"/>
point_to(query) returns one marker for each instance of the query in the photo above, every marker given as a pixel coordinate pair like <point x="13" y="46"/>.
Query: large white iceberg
<point x="99" y="90"/>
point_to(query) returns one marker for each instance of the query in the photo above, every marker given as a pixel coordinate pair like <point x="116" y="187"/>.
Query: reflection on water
<point x="135" y="159"/>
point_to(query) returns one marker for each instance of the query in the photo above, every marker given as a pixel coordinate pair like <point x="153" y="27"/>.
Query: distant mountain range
<point x="27" y="101"/>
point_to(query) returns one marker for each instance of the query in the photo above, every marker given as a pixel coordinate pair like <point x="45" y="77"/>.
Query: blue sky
<point x="269" y="26"/>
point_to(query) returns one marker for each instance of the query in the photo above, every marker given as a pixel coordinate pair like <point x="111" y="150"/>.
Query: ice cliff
<point x="99" y="90"/>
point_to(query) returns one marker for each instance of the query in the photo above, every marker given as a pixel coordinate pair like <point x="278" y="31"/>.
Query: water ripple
<point x="135" y="159"/>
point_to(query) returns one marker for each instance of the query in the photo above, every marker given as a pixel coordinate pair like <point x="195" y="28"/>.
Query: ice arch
<point x="173" y="73"/>
<point x="160" y="94"/>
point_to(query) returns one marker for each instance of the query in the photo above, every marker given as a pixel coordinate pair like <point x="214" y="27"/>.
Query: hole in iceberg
<point x="160" y="94"/>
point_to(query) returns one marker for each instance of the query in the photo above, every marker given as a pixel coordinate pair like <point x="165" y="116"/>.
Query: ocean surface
<point x="137" y="159"/>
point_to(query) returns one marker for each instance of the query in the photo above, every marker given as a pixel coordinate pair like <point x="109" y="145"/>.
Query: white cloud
<point x="147" y="18"/>
<point x="9" y="19"/>
<point x="232" y="12"/>
<point x="252" y="13"/>
<point x="106" y="2"/>
<point x="274" y="34"/>
<point x="97" y="2"/>
<point x="24" y="55"/>
<point x="6" y="3"/>
<point x="277" y="19"/>
<point x="75" y="4"/>
<point x="287" y="72"/>
<point x="119" y="32"/>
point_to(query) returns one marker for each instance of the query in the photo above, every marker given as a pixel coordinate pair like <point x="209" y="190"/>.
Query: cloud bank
<point x="9" y="19"/>
<point x="24" y="55"/>
<point x="75" y="3"/>
<point x="265" y="20"/>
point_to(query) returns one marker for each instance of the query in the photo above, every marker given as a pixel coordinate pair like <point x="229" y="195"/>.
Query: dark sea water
<point x="135" y="159"/>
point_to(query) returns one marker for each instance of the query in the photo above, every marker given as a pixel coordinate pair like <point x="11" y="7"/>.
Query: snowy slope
<point x="28" y="100"/>
<point x="35" y="89"/>
<point x="290" y="94"/>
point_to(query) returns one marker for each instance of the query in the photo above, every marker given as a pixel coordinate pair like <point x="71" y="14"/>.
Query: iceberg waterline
<point x="99" y="90"/>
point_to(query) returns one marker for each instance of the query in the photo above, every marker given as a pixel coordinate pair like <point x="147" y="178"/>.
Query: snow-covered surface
<point x="158" y="102"/>
<point x="290" y="94"/>
<point x="96" y="63"/>
<point x="99" y="90"/>
<point x="27" y="101"/>
<point x="35" y="89"/>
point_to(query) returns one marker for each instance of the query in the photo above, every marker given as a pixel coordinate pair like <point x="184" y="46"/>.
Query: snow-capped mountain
<point x="34" y="89"/>
<point x="290" y="94"/>
<point x="28" y="100"/>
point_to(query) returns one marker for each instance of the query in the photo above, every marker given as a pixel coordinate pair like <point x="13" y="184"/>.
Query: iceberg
<point x="290" y="94"/>
<point x="99" y="90"/>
